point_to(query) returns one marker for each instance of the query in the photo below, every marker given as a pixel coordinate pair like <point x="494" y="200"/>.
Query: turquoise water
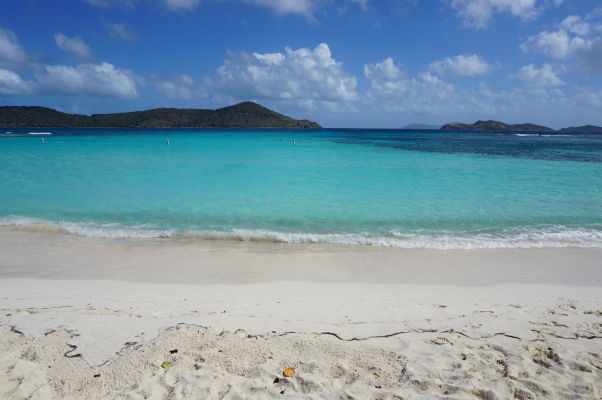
<point x="406" y="189"/>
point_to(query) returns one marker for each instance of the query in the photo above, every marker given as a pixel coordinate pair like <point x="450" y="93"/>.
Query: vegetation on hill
<point x="243" y="115"/>
<point x="582" y="129"/>
<point x="494" y="126"/>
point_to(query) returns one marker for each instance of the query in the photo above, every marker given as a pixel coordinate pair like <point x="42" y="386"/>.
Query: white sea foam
<point x="555" y="236"/>
<point x="542" y="135"/>
<point x="91" y="230"/>
<point x="40" y="133"/>
<point x="558" y="135"/>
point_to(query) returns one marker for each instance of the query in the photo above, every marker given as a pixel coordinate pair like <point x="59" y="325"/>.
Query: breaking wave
<point x="548" y="237"/>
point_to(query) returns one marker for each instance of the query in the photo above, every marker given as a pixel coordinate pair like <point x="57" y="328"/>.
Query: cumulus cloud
<point x="385" y="77"/>
<point x="120" y="31"/>
<point x="10" y="49"/>
<point x="478" y="13"/>
<point x="465" y="65"/>
<point x="181" y="88"/>
<point x="391" y="91"/>
<point x="293" y="75"/>
<point x="555" y="44"/>
<point x="539" y="77"/>
<point x="394" y="98"/>
<point x="81" y="80"/>
<point x="87" y="80"/>
<point x="576" y="25"/>
<point x="74" y="45"/>
<point x="574" y="36"/>
<point x="129" y="5"/>
<point x="11" y="84"/>
<point x="303" y="7"/>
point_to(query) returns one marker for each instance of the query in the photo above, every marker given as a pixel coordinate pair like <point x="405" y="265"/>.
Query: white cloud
<point x="181" y="5"/>
<point x="120" y="31"/>
<point x="542" y="77"/>
<point x="12" y="84"/>
<point x="391" y="91"/>
<point x="87" y="80"/>
<point x="395" y="99"/>
<point x="129" y="5"/>
<point x="574" y="24"/>
<point x="74" y="45"/>
<point x="93" y="80"/>
<point x="555" y="44"/>
<point x="294" y="75"/>
<point x="466" y="65"/>
<point x="303" y="7"/>
<point x="384" y="70"/>
<point x="182" y="87"/>
<point x="574" y="36"/>
<point x="478" y="13"/>
<point x="10" y="50"/>
<point x="385" y="77"/>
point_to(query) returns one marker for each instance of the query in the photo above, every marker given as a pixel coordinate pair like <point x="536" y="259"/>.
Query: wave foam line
<point x="552" y="237"/>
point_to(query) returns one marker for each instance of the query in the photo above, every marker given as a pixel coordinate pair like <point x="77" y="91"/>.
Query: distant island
<point x="584" y="128"/>
<point x="422" y="126"/>
<point x="243" y="115"/>
<point x="500" y="126"/>
<point x="495" y="126"/>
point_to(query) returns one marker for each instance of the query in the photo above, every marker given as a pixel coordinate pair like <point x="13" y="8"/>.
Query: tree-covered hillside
<point x="243" y="115"/>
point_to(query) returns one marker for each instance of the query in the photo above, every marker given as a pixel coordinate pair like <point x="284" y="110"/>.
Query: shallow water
<point x="394" y="188"/>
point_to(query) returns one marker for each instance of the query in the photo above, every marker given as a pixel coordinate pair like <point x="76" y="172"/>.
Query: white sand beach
<point x="96" y="319"/>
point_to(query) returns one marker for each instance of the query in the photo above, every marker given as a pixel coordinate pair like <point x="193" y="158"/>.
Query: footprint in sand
<point x="544" y="356"/>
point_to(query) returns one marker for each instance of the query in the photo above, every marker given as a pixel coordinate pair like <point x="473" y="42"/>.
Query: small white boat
<point x="40" y="133"/>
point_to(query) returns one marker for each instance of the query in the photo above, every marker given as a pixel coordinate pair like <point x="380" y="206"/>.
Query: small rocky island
<point x="484" y="126"/>
<point x="242" y="115"/>
<point x="582" y="129"/>
<point x="495" y="126"/>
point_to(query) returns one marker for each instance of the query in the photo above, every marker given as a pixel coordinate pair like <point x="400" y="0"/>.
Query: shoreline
<point x="38" y="255"/>
<point x="85" y="318"/>
<point x="541" y="237"/>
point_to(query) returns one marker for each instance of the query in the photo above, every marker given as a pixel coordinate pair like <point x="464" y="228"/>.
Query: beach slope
<point x="99" y="319"/>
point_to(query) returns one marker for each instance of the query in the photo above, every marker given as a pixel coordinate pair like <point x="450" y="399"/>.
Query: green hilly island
<point x="584" y="128"/>
<point x="494" y="126"/>
<point x="242" y="115"/>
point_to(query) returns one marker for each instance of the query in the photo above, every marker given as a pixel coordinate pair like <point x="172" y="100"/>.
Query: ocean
<point x="411" y="189"/>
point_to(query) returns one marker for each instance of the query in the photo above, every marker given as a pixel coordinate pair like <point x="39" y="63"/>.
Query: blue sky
<point x="342" y="63"/>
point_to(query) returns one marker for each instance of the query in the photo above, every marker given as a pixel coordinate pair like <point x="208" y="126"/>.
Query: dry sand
<point x="95" y="319"/>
